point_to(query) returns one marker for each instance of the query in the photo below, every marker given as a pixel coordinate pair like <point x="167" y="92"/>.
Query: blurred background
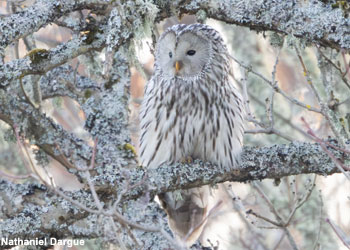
<point x="329" y="198"/>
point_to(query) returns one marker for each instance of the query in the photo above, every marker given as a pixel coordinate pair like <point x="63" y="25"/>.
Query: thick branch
<point x="37" y="16"/>
<point x="313" y="21"/>
<point x="257" y="164"/>
<point x="54" y="58"/>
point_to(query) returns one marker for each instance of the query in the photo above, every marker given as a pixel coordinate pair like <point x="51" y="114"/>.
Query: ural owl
<point x="190" y="109"/>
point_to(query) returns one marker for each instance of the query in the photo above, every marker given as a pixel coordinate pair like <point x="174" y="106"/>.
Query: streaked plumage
<point x="190" y="109"/>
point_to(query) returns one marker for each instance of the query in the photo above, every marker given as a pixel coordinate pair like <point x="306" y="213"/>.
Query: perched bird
<point x="191" y="108"/>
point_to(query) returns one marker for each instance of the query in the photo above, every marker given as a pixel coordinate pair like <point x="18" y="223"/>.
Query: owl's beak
<point x="178" y="66"/>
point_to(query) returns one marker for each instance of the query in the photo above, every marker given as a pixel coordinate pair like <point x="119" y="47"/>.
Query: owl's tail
<point x="187" y="211"/>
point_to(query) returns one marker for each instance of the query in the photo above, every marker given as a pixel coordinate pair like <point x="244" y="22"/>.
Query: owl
<point x="191" y="108"/>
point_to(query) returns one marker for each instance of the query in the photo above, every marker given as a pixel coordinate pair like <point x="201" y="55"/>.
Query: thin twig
<point x="321" y="222"/>
<point x="30" y="167"/>
<point x="276" y="88"/>
<point x="307" y="75"/>
<point x="279" y="116"/>
<point x="17" y="177"/>
<point x="277" y="215"/>
<point x="239" y="207"/>
<point x="277" y="224"/>
<point x="342" y="74"/>
<point x="115" y="229"/>
<point x="337" y="233"/>
<point x="279" y="241"/>
<point x="301" y="201"/>
<point x="347" y="66"/>
<point x="26" y="95"/>
<point x="338" y="164"/>
<point x="269" y="110"/>
<point x="269" y="131"/>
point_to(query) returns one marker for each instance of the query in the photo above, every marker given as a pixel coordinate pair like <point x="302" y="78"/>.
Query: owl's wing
<point x="149" y="139"/>
<point x="159" y="127"/>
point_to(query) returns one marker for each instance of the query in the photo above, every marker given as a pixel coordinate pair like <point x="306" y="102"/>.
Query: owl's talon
<point x="187" y="159"/>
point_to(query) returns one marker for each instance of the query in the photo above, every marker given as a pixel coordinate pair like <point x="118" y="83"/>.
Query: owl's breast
<point x="184" y="118"/>
<point x="180" y="92"/>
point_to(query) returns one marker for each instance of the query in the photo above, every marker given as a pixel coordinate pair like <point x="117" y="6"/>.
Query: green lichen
<point x="37" y="55"/>
<point x="130" y="147"/>
<point x="344" y="6"/>
<point x="87" y="94"/>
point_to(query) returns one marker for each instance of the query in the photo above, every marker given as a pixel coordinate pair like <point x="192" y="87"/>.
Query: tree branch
<point x="38" y="15"/>
<point x="257" y="164"/>
<point x="53" y="58"/>
<point x="312" y="21"/>
<point x="56" y="217"/>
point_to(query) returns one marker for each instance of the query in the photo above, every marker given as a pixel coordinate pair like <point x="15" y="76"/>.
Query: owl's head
<point x="187" y="50"/>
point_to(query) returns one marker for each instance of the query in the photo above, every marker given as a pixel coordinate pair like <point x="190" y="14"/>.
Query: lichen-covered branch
<point x="43" y="61"/>
<point x="39" y="15"/>
<point x="313" y="21"/>
<point x="257" y="164"/>
<point x="42" y="214"/>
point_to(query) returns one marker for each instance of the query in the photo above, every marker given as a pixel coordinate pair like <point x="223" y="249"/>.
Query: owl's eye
<point x="191" y="52"/>
<point x="170" y="54"/>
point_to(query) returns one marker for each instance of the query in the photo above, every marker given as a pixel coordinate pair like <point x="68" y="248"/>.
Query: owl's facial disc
<point x="191" y="54"/>
<point x="183" y="56"/>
